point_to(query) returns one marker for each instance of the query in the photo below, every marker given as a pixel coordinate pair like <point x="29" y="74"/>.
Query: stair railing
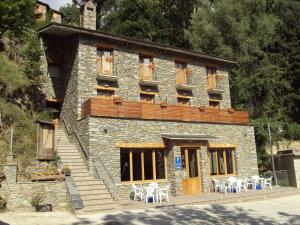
<point x="109" y="182"/>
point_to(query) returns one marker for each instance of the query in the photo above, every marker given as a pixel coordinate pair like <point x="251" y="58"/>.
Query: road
<point x="272" y="211"/>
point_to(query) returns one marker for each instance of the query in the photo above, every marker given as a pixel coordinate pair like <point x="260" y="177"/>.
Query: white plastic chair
<point x="248" y="183"/>
<point x="268" y="182"/>
<point x="231" y="181"/>
<point x="153" y="184"/>
<point x="164" y="192"/>
<point x="238" y="185"/>
<point x="216" y="185"/>
<point x="150" y="192"/>
<point x="138" y="193"/>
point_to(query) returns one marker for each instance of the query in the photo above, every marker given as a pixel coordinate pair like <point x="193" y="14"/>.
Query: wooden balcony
<point x="149" y="111"/>
<point x="183" y="80"/>
<point x="215" y="84"/>
<point x="148" y="75"/>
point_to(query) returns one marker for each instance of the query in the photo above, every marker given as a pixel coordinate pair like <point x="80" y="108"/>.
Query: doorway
<point x="190" y="164"/>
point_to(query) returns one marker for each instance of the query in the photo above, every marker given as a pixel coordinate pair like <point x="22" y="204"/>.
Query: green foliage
<point x="37" y="200"/>
<point x="3" y="204"/>
<point x="16" y="17"/>
<point x="31" y="53"/>
<point x="139" y="19"/>
<point x="263" y="36"/>
<point x="71" y="14"/>
<point x="11" y="76"/>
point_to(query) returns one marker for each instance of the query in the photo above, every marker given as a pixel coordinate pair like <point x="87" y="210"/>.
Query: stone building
<point x="42" y="9"/>
<point x="144" y="112"/>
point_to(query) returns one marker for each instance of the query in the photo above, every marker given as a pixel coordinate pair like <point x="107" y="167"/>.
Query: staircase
<point x="93" y="192"/>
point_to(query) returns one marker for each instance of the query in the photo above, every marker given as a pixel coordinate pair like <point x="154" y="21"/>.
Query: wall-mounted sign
<point x="177" y="163"/>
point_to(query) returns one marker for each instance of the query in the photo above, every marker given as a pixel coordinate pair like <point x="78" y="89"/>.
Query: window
<point x="183" y="101"/>
<point x="145" y="97"/>
<point x="105" y="94"/>
<point x="221" y="161"/>
<point x="142" y="164"/>
<point x="104" y="61"/>
<point x="211" y="78"/>
<point x="146" y="68"/>
<point x="214" y="104"/>
<point x="181" y="73"/>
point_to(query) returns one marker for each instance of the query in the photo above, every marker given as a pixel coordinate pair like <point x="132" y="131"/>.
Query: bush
<point x="67" y="171"/>
<point x="37" y="200"/>
<point x="3" y="204"/>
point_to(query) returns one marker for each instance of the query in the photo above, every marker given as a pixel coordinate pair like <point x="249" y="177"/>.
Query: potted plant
<point x="67" y="171"/>
<point x="202" y="108"/>
<point x="163" y="104"/>
<point x="118" y="100"/>
<point x="3" y="204"/>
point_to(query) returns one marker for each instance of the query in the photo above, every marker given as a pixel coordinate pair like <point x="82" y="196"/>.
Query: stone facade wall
<point x="126" y="68"/>
<point x="18" y="195"/>
<point x="105" y="133"/>
<point x="297" y="170"/>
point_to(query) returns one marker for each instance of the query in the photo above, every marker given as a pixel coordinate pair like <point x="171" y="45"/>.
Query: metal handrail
<point x="90" y="159"/>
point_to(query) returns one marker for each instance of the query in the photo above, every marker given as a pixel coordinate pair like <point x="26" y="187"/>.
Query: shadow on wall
<point x="215" y="214"/>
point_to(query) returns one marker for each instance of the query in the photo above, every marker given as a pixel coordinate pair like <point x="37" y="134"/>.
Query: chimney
<point x="88" y="15"/>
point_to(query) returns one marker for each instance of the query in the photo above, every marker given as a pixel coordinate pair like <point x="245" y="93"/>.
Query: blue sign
<point x="178" y="163"/>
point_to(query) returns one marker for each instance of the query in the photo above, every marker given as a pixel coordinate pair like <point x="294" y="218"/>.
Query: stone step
<point x="76" y="167"/>
<point x="80" y="174"/>
<point x="69" y="152"/>
<point x="83" y="179"/>
<point x="104" y="201"/>
<point x="69" y="156"/>
<point x="89" y="182"/>
<point x="91" y="187"/>
<point x="100" y="208"/>
<point x="94" y="197"/>
<point x="93" y="192"/>
<point x="72" y="160"/>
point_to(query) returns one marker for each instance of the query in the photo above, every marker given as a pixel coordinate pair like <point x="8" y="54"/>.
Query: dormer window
<point x="146" y="68"/>
<point x="105" y="61"/>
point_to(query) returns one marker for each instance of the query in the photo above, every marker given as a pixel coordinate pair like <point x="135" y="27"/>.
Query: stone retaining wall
<point x="18" y="195"/>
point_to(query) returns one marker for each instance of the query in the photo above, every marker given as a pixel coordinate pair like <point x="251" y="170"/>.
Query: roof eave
<point x="137" y="42"/>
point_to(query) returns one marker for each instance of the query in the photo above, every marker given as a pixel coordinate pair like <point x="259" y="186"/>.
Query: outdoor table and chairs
<point x="152" y="191"/>
<point x="236" y="185"/>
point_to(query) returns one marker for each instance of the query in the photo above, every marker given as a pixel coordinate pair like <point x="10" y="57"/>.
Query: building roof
<point x="67" y="30"/>
<point x="48" y="7"/>
<point x="295" y="152"/>
<point x="188" y="137"/>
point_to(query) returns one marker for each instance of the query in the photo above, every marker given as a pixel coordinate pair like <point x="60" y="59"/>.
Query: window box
<point x="103" y="77"/>
<point x="152" y="83"/>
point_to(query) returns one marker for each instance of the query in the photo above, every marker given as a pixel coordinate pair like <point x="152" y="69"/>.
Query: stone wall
<point x="104" y="133"/>
<point x="126" y="68"/>
<point x="18" y="195"/>
<point x="297" y="170"/>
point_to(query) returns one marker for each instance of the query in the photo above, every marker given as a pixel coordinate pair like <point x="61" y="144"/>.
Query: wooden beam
<point x="130" y="165"/>
<point x="218" y="145"/>
<point x="140" y="145"/>
<point x="143" y="165"/>
<point x="153" y="164"/>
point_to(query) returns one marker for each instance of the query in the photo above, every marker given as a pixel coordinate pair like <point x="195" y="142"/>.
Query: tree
<point x="252" y="32"/>
<point x="139" y="19"/>
<point x="71" y="14"/>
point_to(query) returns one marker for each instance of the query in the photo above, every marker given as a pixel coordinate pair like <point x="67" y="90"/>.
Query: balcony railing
<point x="139" y="110"/>
<point x="148" y="75"/>
<point x="215" y="83"/>
<point x="183" y="79"/>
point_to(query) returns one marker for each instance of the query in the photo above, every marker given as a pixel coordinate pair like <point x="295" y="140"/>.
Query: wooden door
<point x="190" y="162"/>
<point x="45" y="141"/>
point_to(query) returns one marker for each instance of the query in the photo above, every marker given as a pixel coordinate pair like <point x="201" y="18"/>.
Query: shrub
<point x="37" y="200"/>
<point x="66" y="171"/>
<point x="3" y="204"/>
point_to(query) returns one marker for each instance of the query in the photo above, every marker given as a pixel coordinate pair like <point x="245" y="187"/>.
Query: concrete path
<point x="272" y="211"/>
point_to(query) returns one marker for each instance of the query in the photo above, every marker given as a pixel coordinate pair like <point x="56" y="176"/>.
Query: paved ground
<point x="272" y="211"/>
